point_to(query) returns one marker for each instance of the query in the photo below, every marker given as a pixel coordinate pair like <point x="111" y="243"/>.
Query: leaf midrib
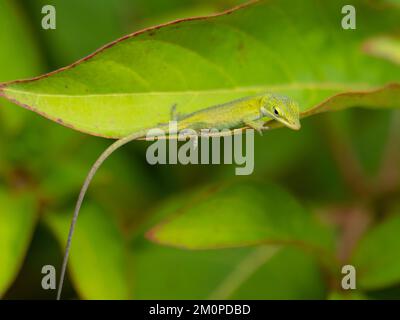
<point x="292" y="86"/>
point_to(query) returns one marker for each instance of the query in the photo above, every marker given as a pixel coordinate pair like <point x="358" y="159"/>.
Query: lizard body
<point x="252" y="111"/>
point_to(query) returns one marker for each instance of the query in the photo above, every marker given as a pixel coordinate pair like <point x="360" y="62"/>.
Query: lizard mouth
<point x="295" y="125"/>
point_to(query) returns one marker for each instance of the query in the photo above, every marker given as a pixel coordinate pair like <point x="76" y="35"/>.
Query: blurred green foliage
<point x="336" y="163"/>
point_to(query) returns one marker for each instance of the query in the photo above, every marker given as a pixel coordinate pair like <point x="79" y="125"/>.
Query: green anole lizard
<point x="252" y="111"/>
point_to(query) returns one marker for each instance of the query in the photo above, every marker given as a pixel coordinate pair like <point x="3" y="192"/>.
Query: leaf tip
<point x="154" y="236"/>
<point x="151" y="234"/>
<point x="2" y="86"/>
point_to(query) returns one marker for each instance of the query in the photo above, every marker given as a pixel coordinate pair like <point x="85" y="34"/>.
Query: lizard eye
<point x="276" y="112"/>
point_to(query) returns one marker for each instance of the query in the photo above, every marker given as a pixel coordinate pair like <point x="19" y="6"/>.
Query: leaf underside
<point x="17" y="223"/>
<point x="131" y="84"/>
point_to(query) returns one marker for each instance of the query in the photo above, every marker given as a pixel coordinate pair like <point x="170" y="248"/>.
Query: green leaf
<point x="13" y="59"/>
<point x="241" y="214"/>
<point x="17" y="223"/>
<point x="376" y="258"/>
<point x="132" y="83"/>
<point x="101" y="269"/>
<point x="97" y="271"/>
<point x="98" y="264"/>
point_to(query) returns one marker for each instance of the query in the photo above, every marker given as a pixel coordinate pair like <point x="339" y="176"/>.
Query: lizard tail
<point x="113" y="147"/>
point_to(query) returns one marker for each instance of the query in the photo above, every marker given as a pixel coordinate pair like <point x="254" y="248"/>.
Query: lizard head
<point x="282" y="109"/>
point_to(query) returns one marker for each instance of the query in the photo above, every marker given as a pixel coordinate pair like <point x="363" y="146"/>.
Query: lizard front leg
<point x="175" y="115"/>
<point x="257" y="125"/>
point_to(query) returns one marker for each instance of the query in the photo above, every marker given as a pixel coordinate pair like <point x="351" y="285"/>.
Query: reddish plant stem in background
<point x="19" y="179"/>
<point x="352" y="221"/>
<point x="389" y="174"/>
<point x="346" y="159"/>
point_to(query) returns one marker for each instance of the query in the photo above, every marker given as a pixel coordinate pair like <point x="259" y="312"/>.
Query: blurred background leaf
<point x="24" y="54"/>
<point x="376" y="257"/>
<point x="241" y="214"/>
<point x="17" y="223"/>
<point x="98" y="262"/>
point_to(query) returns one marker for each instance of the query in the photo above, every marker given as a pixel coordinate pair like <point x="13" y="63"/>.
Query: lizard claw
<point x="174" y="114"/>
